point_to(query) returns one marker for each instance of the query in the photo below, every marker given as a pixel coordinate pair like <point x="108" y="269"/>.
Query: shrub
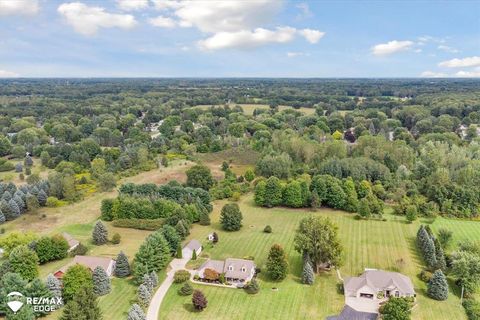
<point x="472" y="309"/>
<point x="252" y="287"/>
<point x="140" y="224"/>
<point x="53" y="202"/>
<point x="199" y="300"/>
<point x="267" y="229"/>
<point x="185" y="290"/>
<point x="425" y="275"/>
<point x="181" y="276"/>
<point x="211" y="274"/>
<point x="116" y="238"/>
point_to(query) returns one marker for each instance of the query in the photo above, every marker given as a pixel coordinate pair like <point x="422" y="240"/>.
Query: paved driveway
<point x="176" y="264"/>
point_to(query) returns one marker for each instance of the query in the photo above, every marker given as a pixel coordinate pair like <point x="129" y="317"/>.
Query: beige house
<point x="235" y="270"/>
<point x="90" y="262"/>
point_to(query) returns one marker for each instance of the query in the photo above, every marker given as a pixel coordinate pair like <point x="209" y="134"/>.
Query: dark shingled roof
<point x="349" y="313"/>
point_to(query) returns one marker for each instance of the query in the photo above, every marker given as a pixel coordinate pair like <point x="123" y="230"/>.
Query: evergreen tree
<point x="153" y="255"/>
<point x="429" y="253"/>
<point x="122" y="267"/>
<point x="438" y="286"/>
<point x="154" y="279"/>
<point x="439" y="255"/>
<point x="7" y="212"/>
<point x="273" y="192"/>
<point x="277" y="265"/>
<point x="54" y="285"/>
<point x="24" y="262"/>
<point x="143" y="295"/>
<point x="14" y="209"/>
<point x="172" y="237"/>
<point x="83" y="306"/>
<point x="194" y="255"/>
<point x="186" y="289"/>
<point x="101" y="282"/>
<point x="199" y="300"/>
<point x="215" y="237"/>
<point x="204" y="218"/>
<point x="148" y="282"/>
<point x="179" y="254"/>
<point x="38" y="289"/>
<point x="308" y="276"/>
<point x="42" y="198"/>
<point x="252" y="287"/>
<point x="136" y="313"/>
<point x="100" y="234"/>
<point x="2" y="217"/>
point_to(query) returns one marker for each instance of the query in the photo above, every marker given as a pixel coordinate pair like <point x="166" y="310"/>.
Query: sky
<point x="246" y="38"/>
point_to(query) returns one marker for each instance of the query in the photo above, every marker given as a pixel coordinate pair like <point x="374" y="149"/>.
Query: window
<point x="243" y="269"/>
<point x="230" y="268"/>
<point x="397" y="294"/>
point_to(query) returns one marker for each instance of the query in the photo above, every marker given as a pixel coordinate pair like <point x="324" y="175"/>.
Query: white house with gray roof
<point x="235" y="270"/>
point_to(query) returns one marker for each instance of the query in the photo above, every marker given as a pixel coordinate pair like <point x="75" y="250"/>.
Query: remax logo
<point x="14" y="305"/>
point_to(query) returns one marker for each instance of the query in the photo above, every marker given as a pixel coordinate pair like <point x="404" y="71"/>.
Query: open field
<point x="12" y="176"/>
<point x="240" y="159"/>
<point x="373" y="244"/>
<point x="249" y="108"/>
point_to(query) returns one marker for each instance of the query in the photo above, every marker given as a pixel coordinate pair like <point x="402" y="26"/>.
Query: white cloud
<point x="224" y="16"/>
<point x="390" y="47"/>
<point x="461" y="63"/>
<point x="8" y="74"/>
<point x="18" y="7"/>
<point x="311" y="35"/>
<point x="297" y="54"/>
<point x="247" y="39"/>
<point x="468" y="74"/>
<point x="166" y="4"/>
<point x="87" y="20"/>
<point x="162" y="22"/>
<point x="447" y="48"/>
<point x="305" y="10"/>
<point x="132" y="5"/>
<point x="431" y="74"/>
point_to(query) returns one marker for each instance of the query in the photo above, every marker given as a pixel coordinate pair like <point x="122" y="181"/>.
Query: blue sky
<point x="248" y="38"/>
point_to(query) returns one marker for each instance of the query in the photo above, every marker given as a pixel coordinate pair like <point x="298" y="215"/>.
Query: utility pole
<point x="461" y="297"/>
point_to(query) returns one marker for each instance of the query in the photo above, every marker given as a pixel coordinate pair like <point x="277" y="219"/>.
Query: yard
<point x="375" y="244"/>
<point x="249" y="108"/>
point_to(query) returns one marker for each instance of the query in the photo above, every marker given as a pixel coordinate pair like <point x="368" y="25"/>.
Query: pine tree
<point x="182" y="232"/>
<point x="147" y="281"/>
<point x="215" y="237"/>
<point x="42" y="198"/>
<point x="438" y="286"/>
<point x="122" y="267"/>
<point x="2" y="217"/>
<point x="101" y="282"/>
<point x="100" y="234"/>
<point x="143" y="295"/>
<point x="14" y="208"/>
<point x="54" y="285"/>
<point x="5" y="208"/>
<point x="154" y="279"/>
<point x="277" y="265"/>
<point x="308" y="276"/>
<point x="83" y="306"/>
<point x="170" y="234"/>
<point x="194" y="255"/>
<point x="429" y="253"/>
<point x="179" y="254"/>
<point x="38" y="289"/>
<point x="439" y="255"/>
<point x="199" y="300"/>
<point x="136" y="313"/>
<point x="186" y="289"/>
<point x="21" y="204"/>
<point x="204" y="218"/>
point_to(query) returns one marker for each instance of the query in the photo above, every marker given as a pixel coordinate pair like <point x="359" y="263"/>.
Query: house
<point x="72" y="243"/>
<point x="364" y="294"/>
<point x="348" y="313"/>
<point x="235" y="270"/>
<point x="378" y="285"/>
<point x="91" y="263"/>
<point x="193" y="245"/>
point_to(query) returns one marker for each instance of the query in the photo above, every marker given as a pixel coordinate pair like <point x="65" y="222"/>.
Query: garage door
<point x="366" y="295"/>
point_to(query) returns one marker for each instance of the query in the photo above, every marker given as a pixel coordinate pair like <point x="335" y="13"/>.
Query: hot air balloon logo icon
<point x="15" y="305"/>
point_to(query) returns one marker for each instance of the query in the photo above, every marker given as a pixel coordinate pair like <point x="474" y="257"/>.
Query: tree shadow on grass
<point x="189" y="307"/>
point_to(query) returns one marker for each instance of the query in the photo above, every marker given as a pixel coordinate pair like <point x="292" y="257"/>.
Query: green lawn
<point x="374" y="244"/>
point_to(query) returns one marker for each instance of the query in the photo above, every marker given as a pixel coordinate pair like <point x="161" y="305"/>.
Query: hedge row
<point x="141" y="224"/>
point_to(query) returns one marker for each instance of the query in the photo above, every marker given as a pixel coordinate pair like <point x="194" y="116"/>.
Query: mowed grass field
<point x="249" y="108"/>
<point x="388" y="245"/>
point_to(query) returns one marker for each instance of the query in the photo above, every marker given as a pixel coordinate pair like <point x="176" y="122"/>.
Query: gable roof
<point x="380" y="280"/>
<point x="237" y="265"/>
<point x="348" y="313"/>
<point x="194" y="245"/>
<point x="216" y="265"/>
<point x="89" y="262"/>
<point x="72" y="242"/>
